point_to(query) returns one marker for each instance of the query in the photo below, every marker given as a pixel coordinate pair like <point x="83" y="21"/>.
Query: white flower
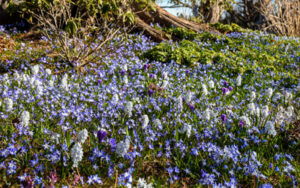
<point x="25" y="117"/>
<point x="125" y="68"/>
<point x="204" y="89"/>
<point x="269" y="92"/>
<point x="48" y="71"/>
<point x="252" y="108"/>
<point x="76" y="154"/>
<point x="143" y="184"/>
<point x="123" y="147"/>
<point x="145" y="120"/>
<point x="82" y="136"/>
<point x="9" y="104"/>
<point x="165" y="75"/>
<point x="157" y="123"/>
<point x="179" y="103"/>
<point x="239" y="80"/>
<point x="245" y="120"/>
<point x="211" y="84"/>
<point x="115" y="98"/>
<point x="206" y="114"/>
<point x="252" y="95"/>
<point x="39" y="90"/>
<point x="125" y="79"/>
<point x="265" y="111"/>
<point x="270" y="129"/>
<point x="288" y="96"/>
<point x="128" y="108"/>
<point x="55" y="137"/>
<point x="35" y="69"/>
<point x="64" y="83"/>
<point x="17" y="76"/>
<point x="165" y="83"/>
<point x="290" y="111"/>
<point x="188" y="97"/>
<point x="187" y="128"/>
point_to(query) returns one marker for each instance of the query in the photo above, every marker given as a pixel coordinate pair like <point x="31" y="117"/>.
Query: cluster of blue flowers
<point x="126" y="116"/>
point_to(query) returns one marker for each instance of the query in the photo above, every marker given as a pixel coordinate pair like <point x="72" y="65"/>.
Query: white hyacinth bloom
<point x="82" y="136"/>
<point x="48" y="72"/>
<point x="64" y="83"/>
<point x="290" y="111"/>
<point x="265" y="111"/>
<point x="179" y="103"/>
<point x="270" y="128"/>
<point x="269" y="92"/>
<point x="157" y="123"/>
<point x="128" y="108"/>
<point x="206" y="114"/>
<point x="145" y="120"/>
<point x="76" y="154"/>
<point x="39" y="90"/>
<point x="123" y="147"/>
<point x="252" y="108"/>
<point x="187" y="128"/>
<point x="245" y="120"/>
<point x="288" y="96"/>
<point x="252" y="95"/>
<point x="35" y="69"/>
<point x="211" y="84"/>
<point x="165" y="84"/>
<point x="239" y="80"/>
<point x="204" y="89"/>
<point x="143" y="184"/>
<point x="115" y="98"/>
<point x="125" y="68"/>
<point x="25" y="117"/>
<point x="188" y="97"/>
<point x="9" y="104"/>
<point x="125" y="79"/>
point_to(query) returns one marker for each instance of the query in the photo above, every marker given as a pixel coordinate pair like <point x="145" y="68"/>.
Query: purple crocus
<point x="150" y="92"/>
<point x="223" y="117"/>
<point x="123" y="72"/>
<point x="99" y="81"/>
<point x="225" y="83"/>
<point x="192" y="107"/>
<point x="101" y="134"/>
<point x="241" y="123"/>
<point x="224" y="90"/>
<point x="230" y="88"/>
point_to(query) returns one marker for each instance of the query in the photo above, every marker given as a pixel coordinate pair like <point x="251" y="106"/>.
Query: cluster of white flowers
<point x="48" y="72"/>
<point x="77" y="154"/>
<point x="157" y="123"/>
<point x="125" y="79"/>
<point x="270" y="128"/>
<point x="143" y="184"/>
<point x="82" y="136"/>
<point x="25" y="117"/>
<point x="288" y="96"/>
<point x="77" y="151"/>
<point x="206" y="114"/>
<point x="245" y="120"/>
<point x="9" y="104"/>
<point x="128" y="108"/>
<point x="269" y="92"/>
<point x="252" y="95"/>
<point x="211" y="84"/>
<point x="284" y="115"/>
<point x="187" y="128"/>
<point x="179" y="103"/>
<point x="165" y="84"/>
<point x="188" y="97"/>
<point x="35" y="69"/>
<point x="115" y="99"/>
<point x="204" y="89"/>
<point x="239" y="80"/>
<point x="253" y="109"/>
<point x="123" y="147"/>
<point x="265" y="111"/>
<point x="145" y="122"/>
<point x="64" y="83"/>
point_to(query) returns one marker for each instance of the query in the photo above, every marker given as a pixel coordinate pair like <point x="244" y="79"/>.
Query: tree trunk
<point x="164" y="19"/>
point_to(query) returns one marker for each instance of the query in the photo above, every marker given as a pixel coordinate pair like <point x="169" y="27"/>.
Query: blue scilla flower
<point x="266" y="185"/>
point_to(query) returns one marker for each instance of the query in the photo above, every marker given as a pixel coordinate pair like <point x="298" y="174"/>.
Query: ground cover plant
<point x="129" y="121"/>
